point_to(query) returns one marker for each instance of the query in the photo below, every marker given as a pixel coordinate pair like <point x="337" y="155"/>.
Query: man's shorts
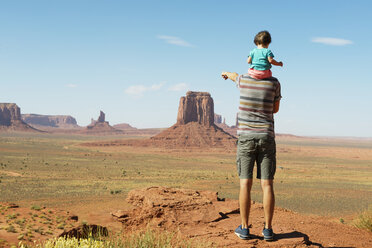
<point x="259" y="150"/>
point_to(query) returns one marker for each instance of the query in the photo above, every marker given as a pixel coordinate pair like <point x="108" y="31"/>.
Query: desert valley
<point x="58" y="179"/>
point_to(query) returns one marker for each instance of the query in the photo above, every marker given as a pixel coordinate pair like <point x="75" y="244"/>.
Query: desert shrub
<point x="61" y="226"/>
<point x="146" y="239"/>
<point x="114" y="192"/>
<point x="11" y="229"/>
<point x="35" y="207"/>
<point x="11" y="216"/>
<point x="364" y="221"/>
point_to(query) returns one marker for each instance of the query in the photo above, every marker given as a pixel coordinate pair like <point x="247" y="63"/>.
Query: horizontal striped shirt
<point x="256" y="105"/>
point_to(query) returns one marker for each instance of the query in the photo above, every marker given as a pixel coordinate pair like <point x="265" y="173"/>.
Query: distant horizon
<point x="164" y="127"/>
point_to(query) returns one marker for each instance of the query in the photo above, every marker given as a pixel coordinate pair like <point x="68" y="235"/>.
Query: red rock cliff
<point x="9" y="113"/>
<point x="196" y="107"/>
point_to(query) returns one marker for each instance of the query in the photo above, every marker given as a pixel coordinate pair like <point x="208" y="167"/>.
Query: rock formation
<point x="195" y="128"/>
<point x="54" y="121"/>
<point x="217" y="119"/>
<point x="220" y="122"/>
<point x="195" y="125"/>
<point x="11" y="119"/>
<point x="124" y="126"/>
<point x="101" y="126"/>
<point x="101" y="117"/>
<point x="196" y="107"/>
<point x="170" y="207"/>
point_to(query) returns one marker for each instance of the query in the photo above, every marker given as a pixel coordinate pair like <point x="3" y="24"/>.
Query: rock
<point x="124" y="126"/>
<point x="101" y="126"/>
<point x="9" y="113"/>
<point x="195" y="128"/>
<point x="10" y="205"/>
<point x="120" y="214"/>
<point x="101" y="117"/>
<point x="171" y="208"/>
<point x="195" y="125"/>
<point x="196" y="107"/>
<point x="217" y="118"/>
<point x="85" y="231"/>
<point x="11" y="119"/>
<point x="73" y="217"/>
<point x="57" y="121"/>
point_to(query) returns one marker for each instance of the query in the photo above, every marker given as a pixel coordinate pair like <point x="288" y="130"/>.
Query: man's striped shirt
<point x="256" y="104"/>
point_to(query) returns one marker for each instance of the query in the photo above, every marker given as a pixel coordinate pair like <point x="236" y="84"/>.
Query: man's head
<point x="262" y="38"/>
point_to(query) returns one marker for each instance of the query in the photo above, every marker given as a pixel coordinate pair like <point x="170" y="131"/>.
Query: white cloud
<point x="174" y="40"/>
<point x="178" y="87"/>
<point x="332" y="41"/>
<point x="71" y="85"/>
<point x="156" y="86"/>
<point x="139" y="90"/>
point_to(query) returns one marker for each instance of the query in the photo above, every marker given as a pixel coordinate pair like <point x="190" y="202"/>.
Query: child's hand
<point x="280" y="63"/>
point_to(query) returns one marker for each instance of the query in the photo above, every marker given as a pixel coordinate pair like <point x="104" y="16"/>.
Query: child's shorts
<point x="259" y="150"/>
<point x="256" y="74"/>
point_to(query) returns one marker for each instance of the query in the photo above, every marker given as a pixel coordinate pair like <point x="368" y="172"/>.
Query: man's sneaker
<point x="268" y="234"/>
<point x="242" y="233"/>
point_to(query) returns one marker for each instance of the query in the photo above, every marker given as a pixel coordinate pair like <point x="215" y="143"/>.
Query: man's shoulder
<point x="247" y="77"/>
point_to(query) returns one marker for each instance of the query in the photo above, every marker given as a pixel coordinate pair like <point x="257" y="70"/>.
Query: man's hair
<point x="262" y="38"/>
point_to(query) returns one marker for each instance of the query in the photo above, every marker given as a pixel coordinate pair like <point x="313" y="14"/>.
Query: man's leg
<point x="245" y="200"/>
<point x="268" y="201"/>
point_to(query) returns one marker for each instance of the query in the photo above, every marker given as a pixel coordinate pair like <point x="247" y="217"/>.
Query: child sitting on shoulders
<point x="261" y="58"/>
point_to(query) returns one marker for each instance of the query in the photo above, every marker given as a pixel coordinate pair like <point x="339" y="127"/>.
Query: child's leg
<point x="259" y="74"/>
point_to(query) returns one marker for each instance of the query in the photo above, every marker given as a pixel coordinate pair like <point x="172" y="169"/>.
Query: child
<point x="261" y="58"/>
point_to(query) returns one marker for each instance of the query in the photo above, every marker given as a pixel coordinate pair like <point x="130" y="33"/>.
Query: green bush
<point x="35" y="207"/>
<point x="364" y="220"/>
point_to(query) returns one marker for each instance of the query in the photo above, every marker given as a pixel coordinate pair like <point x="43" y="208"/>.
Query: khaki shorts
<point x="259" y="150"/>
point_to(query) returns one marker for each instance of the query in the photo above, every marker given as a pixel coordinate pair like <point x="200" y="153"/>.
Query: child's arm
<point x="229" y="75"/>
<point x="249" y="60"/>
<point x="274" y="62"/>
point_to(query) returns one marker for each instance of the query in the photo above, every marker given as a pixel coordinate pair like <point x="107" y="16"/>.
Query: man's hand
<point x="231" y="75"/>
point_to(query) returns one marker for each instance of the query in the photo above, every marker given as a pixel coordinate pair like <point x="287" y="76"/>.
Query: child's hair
<point x="262" y="38"/>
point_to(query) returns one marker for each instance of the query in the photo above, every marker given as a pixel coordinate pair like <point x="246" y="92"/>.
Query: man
<point x="259" y="100"/>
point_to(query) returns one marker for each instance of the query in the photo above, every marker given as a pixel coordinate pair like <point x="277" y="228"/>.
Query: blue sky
<point x="135" y="59"/>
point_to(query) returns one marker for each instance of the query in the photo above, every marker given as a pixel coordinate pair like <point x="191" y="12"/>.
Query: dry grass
<point x="148" y="238"/>
<point x="313" y="176"/>
<point x="364" y="221"/>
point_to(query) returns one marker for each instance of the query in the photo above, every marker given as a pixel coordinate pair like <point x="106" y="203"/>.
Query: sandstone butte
<point x="101" y="126"/>
<point x="50" y="121"/>
<point x="195" y="128"/>
<point x="11" y="119"/>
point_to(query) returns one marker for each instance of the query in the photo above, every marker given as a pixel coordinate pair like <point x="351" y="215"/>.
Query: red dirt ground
<point x="196" y="214"/>
<point x="201" y="214"/>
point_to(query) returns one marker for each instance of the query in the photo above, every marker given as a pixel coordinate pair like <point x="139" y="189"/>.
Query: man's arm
<point x="274" y="62"/>
<point x="276" y="106"/>
<point x="229" y="75"/>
